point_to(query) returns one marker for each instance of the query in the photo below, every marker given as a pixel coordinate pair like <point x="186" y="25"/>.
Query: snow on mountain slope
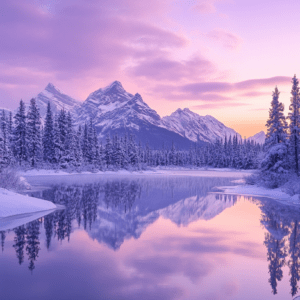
<point x="113" y="110"/>
<point x="196" y="208"/>
<point x="194" y="127"/>
<point x="112" y="107"/>
<point x="57" y="100"/>
<point x="258" y="138"/>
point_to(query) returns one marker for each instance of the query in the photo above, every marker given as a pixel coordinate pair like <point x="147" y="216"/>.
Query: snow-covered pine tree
<point x="91" y="148"/>
<point x="97" y="156"/>
<point x="34" y="142"/>
<point x="58" y="148"/>
<point x="19" y="135"/>
<point x="48" y="137"/>
<point x="68" y="157"/>
<point x="85" y="144"/>
<point x="108" y="152"/>
<point x="6" y="155"/>
<point x="117" y="152"/>
<point x="294" y="126"/>
<point x="78" y="150"/>
<point x="276" y="124"/>
<point x="132" y="151"/>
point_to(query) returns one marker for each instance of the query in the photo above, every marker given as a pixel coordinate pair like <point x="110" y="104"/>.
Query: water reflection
<point x="282" y="241"/>
<point x="113" y="211"/>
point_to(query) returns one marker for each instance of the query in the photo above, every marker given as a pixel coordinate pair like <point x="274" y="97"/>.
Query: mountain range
<point x="115" y="111"/>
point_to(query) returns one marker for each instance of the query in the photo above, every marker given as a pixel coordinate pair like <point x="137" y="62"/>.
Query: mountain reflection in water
<point x="112" y="211"/>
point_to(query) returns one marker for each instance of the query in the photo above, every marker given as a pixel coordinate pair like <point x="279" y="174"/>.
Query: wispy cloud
<point x="218" y="105"/>
<point x="226" y="38"/>
<point x="164" y="68"/>
<point x="205" y="7"/>
<point x="215" y="93"/>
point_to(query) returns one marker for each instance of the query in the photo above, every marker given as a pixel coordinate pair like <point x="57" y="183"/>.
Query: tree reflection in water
<point x="114" y="210"/>
<point x="282" y="240"/>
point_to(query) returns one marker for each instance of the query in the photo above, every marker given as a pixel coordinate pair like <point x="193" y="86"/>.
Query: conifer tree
<point x="48" y="137"/>
<point x="108" y="151"/>
<point x="19" y="135"/>
<point x="34" y="143"/>
<point x="276" y="124"/>
<point x="294" y="126"/>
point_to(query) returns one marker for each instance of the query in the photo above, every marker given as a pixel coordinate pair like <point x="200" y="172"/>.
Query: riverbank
<point x="176" y="171"/>
<point x="253" y="190"/>
<point x="12" y="203"/>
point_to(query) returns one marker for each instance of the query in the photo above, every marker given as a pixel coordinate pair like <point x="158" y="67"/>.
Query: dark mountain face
<point x="114" y="111"/>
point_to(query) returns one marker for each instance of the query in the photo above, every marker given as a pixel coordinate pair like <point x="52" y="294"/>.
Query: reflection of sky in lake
<point x="161" y="238"/>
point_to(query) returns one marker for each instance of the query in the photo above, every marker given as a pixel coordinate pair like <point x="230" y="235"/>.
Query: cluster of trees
<point x="26" y="141"/>
<point x="282" y="144"/>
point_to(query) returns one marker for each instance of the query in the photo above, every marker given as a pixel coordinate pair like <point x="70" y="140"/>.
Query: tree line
<point x="282" y="145"/>
<point x="57" y="143"/>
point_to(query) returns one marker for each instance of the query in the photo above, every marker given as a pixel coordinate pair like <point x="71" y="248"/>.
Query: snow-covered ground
<point x="12" y="204"/>
<point x="253" y="190"/>
<point x="201" y="172"/>
<point x="14" y="221"/>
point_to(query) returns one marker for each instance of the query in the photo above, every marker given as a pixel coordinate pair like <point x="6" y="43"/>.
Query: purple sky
<point x="217" y="57"/>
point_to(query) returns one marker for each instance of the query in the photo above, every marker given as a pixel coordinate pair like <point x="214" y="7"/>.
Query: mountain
<point x="57" y="100"/>
<point x="258" y="138"/>
<point x="115" y="111"/>
<point x="194" y="127"/>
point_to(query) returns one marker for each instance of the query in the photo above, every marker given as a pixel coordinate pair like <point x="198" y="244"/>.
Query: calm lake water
<point x="151" y="238"/>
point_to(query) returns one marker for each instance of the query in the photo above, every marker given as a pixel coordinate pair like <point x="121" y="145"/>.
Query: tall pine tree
<point x="34" y="142"/>
<point x="48" y="138"/>
<point x="294" y="126"/>
<point x="276" y="124"/>
<point x="19" y="135"/>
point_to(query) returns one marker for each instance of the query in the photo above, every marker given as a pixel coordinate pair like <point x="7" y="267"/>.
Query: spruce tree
<point x="276" y="124"/>
<point x="19" y="135"/>
<point x="48" y="137"/>
<point x="34" y="142"/>
<point x="294" y="126"/>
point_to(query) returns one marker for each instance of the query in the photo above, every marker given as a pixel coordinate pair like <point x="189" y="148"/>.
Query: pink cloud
<point x="255" y="94"/>
<point x="205" y="7"/>
<point x="164" y="68"/>
<point x="217" y="105"/>
<point x="74" y="38"/>
<point x="226" y="38"/>
<point x="218" y="91"/>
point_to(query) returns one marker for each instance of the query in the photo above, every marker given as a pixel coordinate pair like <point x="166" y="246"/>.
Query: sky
<point x="216" y="57"/>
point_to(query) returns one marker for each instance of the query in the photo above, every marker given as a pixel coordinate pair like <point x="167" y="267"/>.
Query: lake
<point x="155" y="237"/>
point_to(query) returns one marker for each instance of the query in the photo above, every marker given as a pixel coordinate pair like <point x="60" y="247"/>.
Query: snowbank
<point x="176" y="171"/>
<point x="12" y="203"/>
<point x="253" y="190"/>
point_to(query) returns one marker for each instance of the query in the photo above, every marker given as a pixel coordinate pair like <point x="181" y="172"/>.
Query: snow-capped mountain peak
<point x="57" y="100"/>
<point x="51" y="88"/>
<point x="196" y="127"/>
<point x="258" y="138"/>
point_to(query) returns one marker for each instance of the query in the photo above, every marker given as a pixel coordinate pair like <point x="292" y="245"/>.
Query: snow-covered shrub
<point x="292" y="187"/>
<point x="252" y="179"/>
<point x="274" y="170"/>
<point x="9" y="179"/>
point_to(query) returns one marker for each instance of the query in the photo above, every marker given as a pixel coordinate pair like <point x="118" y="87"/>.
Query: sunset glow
<point x="216" y="57"/>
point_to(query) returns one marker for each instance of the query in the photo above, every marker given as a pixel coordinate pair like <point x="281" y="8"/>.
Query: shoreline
<point x="201" y="172"/>
<point x="257" y="191"/>
<point x="13" y="204"/>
